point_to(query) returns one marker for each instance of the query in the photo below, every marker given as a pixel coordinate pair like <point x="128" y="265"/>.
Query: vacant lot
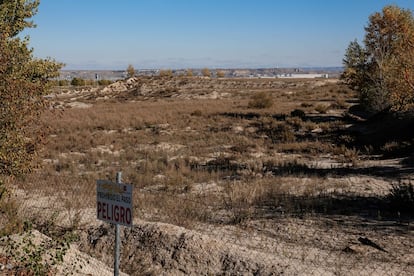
<point x="249" y="176"/>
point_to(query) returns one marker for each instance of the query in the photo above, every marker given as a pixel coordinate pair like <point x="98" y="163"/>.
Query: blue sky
<point x="110" y="34"/>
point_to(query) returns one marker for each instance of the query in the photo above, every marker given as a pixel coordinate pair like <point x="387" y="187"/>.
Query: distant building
<point x="302" y="76"/>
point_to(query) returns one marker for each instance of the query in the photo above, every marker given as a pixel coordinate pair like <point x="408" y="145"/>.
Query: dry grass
<point x="170" y="147"/>
<point x="198" y="154"/>
<point x="171" y="144"/>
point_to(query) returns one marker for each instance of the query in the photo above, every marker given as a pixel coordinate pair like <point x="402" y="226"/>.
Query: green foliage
<point x="78" y="82"/>
<point x="23" y="83"/>
<point x="63" y="83"/>
<point x="104" y="82"/>
<point x="260" y="100"/>
<point x="33" y="257"/>
<point x="14" y="15"/>
<point x="382" y="70"/>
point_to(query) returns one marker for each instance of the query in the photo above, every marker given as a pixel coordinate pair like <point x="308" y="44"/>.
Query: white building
<point x="302" y="76"/>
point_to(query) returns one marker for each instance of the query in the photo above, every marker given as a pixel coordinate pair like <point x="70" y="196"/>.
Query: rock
<point x="317" y="130"/>
<point x="159" y="177"/>
<point x="238" y="129"/>
<point x="145" y="90"/>
<point x="131" y="81"/>
<point x="78" y="105"/>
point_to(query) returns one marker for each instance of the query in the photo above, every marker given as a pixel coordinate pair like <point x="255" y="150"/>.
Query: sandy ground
<point x="284" y="245"/>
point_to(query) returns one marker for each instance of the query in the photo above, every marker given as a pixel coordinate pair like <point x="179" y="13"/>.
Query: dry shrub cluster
<point x="261" y="100"/>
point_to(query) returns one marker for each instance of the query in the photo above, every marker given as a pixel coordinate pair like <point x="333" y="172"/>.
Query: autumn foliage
<point x="382" y="70"/>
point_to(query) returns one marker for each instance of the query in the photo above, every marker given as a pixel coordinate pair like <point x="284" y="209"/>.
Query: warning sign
<point x="114" y="202"/>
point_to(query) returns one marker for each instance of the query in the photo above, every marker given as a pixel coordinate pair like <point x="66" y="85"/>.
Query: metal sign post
<point x="116" y="259"/>
<point x="114" y="205"/>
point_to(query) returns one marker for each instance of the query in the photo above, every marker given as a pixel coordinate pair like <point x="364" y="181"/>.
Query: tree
<point x="382" y="71"/>
<point x="130" y="71"/>
<point x="166" y="73"/>
<point x="220" y="74"/>
<point x="362" y="76"/>
<point x="24" y="80"/>
<point x="189" y="73"/>
<point x="14" y="15"/>
<point x="206" y="72"/>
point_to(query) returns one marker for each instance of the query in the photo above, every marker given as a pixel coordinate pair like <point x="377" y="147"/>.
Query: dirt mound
<point x="151" y="248"/>
<point x="119" y="86"/>
<point x="186" y="88"/>
<point x="165" y="249"/>
<point x="34" y="250"/>
<point x="190" y="88"/>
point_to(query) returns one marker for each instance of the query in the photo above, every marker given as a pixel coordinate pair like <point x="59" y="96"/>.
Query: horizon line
<point x="200" y="68"/>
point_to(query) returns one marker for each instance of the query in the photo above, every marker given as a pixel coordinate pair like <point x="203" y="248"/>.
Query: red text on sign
<point x="114" y="213"/>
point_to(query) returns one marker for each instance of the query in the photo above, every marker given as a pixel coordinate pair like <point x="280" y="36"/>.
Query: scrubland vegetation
<point x="176" y="146"/>
<point x="205" y="161"/>
<point x="248" y="176"/>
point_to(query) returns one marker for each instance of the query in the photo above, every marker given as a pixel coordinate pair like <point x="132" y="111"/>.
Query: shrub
<point x="306" y="105"/>
<point x="260" y="100"/>
<point x="34" y="254"/>
<point x="78" y="82"/>
<point x="166" y="73"/>
<point x="10" y="221"/>
<point x="104" y="82"/>
<point x="63" y="82"/>
<point x="284" y="134"/>
<point x="277" y="132"/>
<point x="339" y="104"/>
<point x="322" y="108"/>
<point x="298" y="113"/>
<point x="197" y="112"/>
<point x="401" y="197"/>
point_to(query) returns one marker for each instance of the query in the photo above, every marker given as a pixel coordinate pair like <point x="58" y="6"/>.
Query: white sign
<point x="114" y="202"/>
